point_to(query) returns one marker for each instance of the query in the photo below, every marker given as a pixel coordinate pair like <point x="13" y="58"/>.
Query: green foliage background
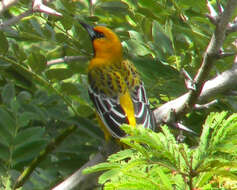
<point x="157" y="161"/>
<point x="39" y="101"/>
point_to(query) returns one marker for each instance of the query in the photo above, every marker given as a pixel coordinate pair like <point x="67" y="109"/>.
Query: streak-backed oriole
<point x="115" y="87"/>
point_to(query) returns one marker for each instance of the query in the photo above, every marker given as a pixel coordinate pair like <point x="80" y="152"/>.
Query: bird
<point x="114" y="85"/>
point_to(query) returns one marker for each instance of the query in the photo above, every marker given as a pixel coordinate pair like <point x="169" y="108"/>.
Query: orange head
<point x="106" y="43"/>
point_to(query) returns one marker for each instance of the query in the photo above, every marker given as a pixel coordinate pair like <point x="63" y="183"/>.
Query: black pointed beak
<point x="90" y="30"/>
<point x="92" y="33"/>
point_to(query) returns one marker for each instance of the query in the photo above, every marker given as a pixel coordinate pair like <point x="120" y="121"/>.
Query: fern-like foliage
<point x="158" y="161"/>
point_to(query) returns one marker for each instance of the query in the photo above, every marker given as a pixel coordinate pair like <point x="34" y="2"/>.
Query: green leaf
<point x="4" y="64"/>
<point x="161" y="40"/>
<point x="70" y="89"/>
<point x="7" y="127"/>
<point x="37" y="27"/>
<point x="137" y="48"/>
<point x="108" y="175"/>
<point x="27" y="36"/>
<point x="61" y="38"/>
<point x="101" y="167"/>
<point x="85" y="110"/>
<point x="67" y="22"/>
<point x="121" y="155"/>
<point x="164" y="179"/>
<point x="8" y="93"/>
<point x="27" y="151"/>
<point x="4" y="44"/>
<point x="37" y="62"/>
<point x="58" y="113"/>
<point x="19" y="52"/>
<point x="29" y="135"/>
<point x="15" y="106"/>
<point x="114" y="6"/>
<point x="4" y="152"/>
<point x="26" y="117"/>
<point x="24" y="96"/>
<point x="58" y="74"/>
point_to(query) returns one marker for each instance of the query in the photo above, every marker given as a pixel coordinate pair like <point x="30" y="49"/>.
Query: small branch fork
<point x="198" y="89"/>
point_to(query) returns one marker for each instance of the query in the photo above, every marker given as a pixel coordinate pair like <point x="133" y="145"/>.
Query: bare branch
<point x="67" y="59"/>
<point x="180" y="126"/>
<point x="205" y="106"/>
<point x="226" y="54"/>
<point x="220" y="8"/>
<point x="210" y="56"/>
<point x="185" y="103"/>
<point x="212" y="16"/>
<point x="5" y="4"/>
<point x="88" y="181"/>
<point x="231" y="28"/>
<point x="190" y="85"/>
<point x="230" y="93"/>
<point x="212" y="11"/>
<point x="39" y="6"/>
<point x="216" y="86"/>
<point x="213" y="20"/>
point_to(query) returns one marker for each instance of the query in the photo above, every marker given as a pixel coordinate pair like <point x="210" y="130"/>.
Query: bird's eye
<point x="99" y="35"/>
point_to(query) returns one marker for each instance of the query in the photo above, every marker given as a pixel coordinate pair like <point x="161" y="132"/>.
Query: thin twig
<point x="231" y="28"/>
<point x="205" y="106"/>
<point x="67" y="59"/>
<point x="211" y="89"/>
<point x="226" y="54"/>
<point x="39" y="6"/>
<point x="211" y="53"/>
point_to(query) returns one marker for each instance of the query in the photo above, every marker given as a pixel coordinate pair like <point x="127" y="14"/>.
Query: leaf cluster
<point x="29" y="127"/>
<point x="158" y="161"/>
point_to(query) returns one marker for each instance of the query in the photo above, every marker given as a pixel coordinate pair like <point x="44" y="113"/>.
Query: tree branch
<point x="88" y="181"/>
<point x="210" y="55"/>
<point x="187" y="101"/>
<point x="218" y="85"/>
<point x="67" y="59"/>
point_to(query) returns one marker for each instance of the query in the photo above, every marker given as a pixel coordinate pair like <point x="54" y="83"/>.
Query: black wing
<point x="110" y="112"/>
<point x="143" y="114"/>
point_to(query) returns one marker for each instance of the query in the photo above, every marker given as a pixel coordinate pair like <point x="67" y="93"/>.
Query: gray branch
<point x="187" y="101"/>
<point x="88" y="181"/>
<point x="211" y="89"/>
<point x="67" y="59"/>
